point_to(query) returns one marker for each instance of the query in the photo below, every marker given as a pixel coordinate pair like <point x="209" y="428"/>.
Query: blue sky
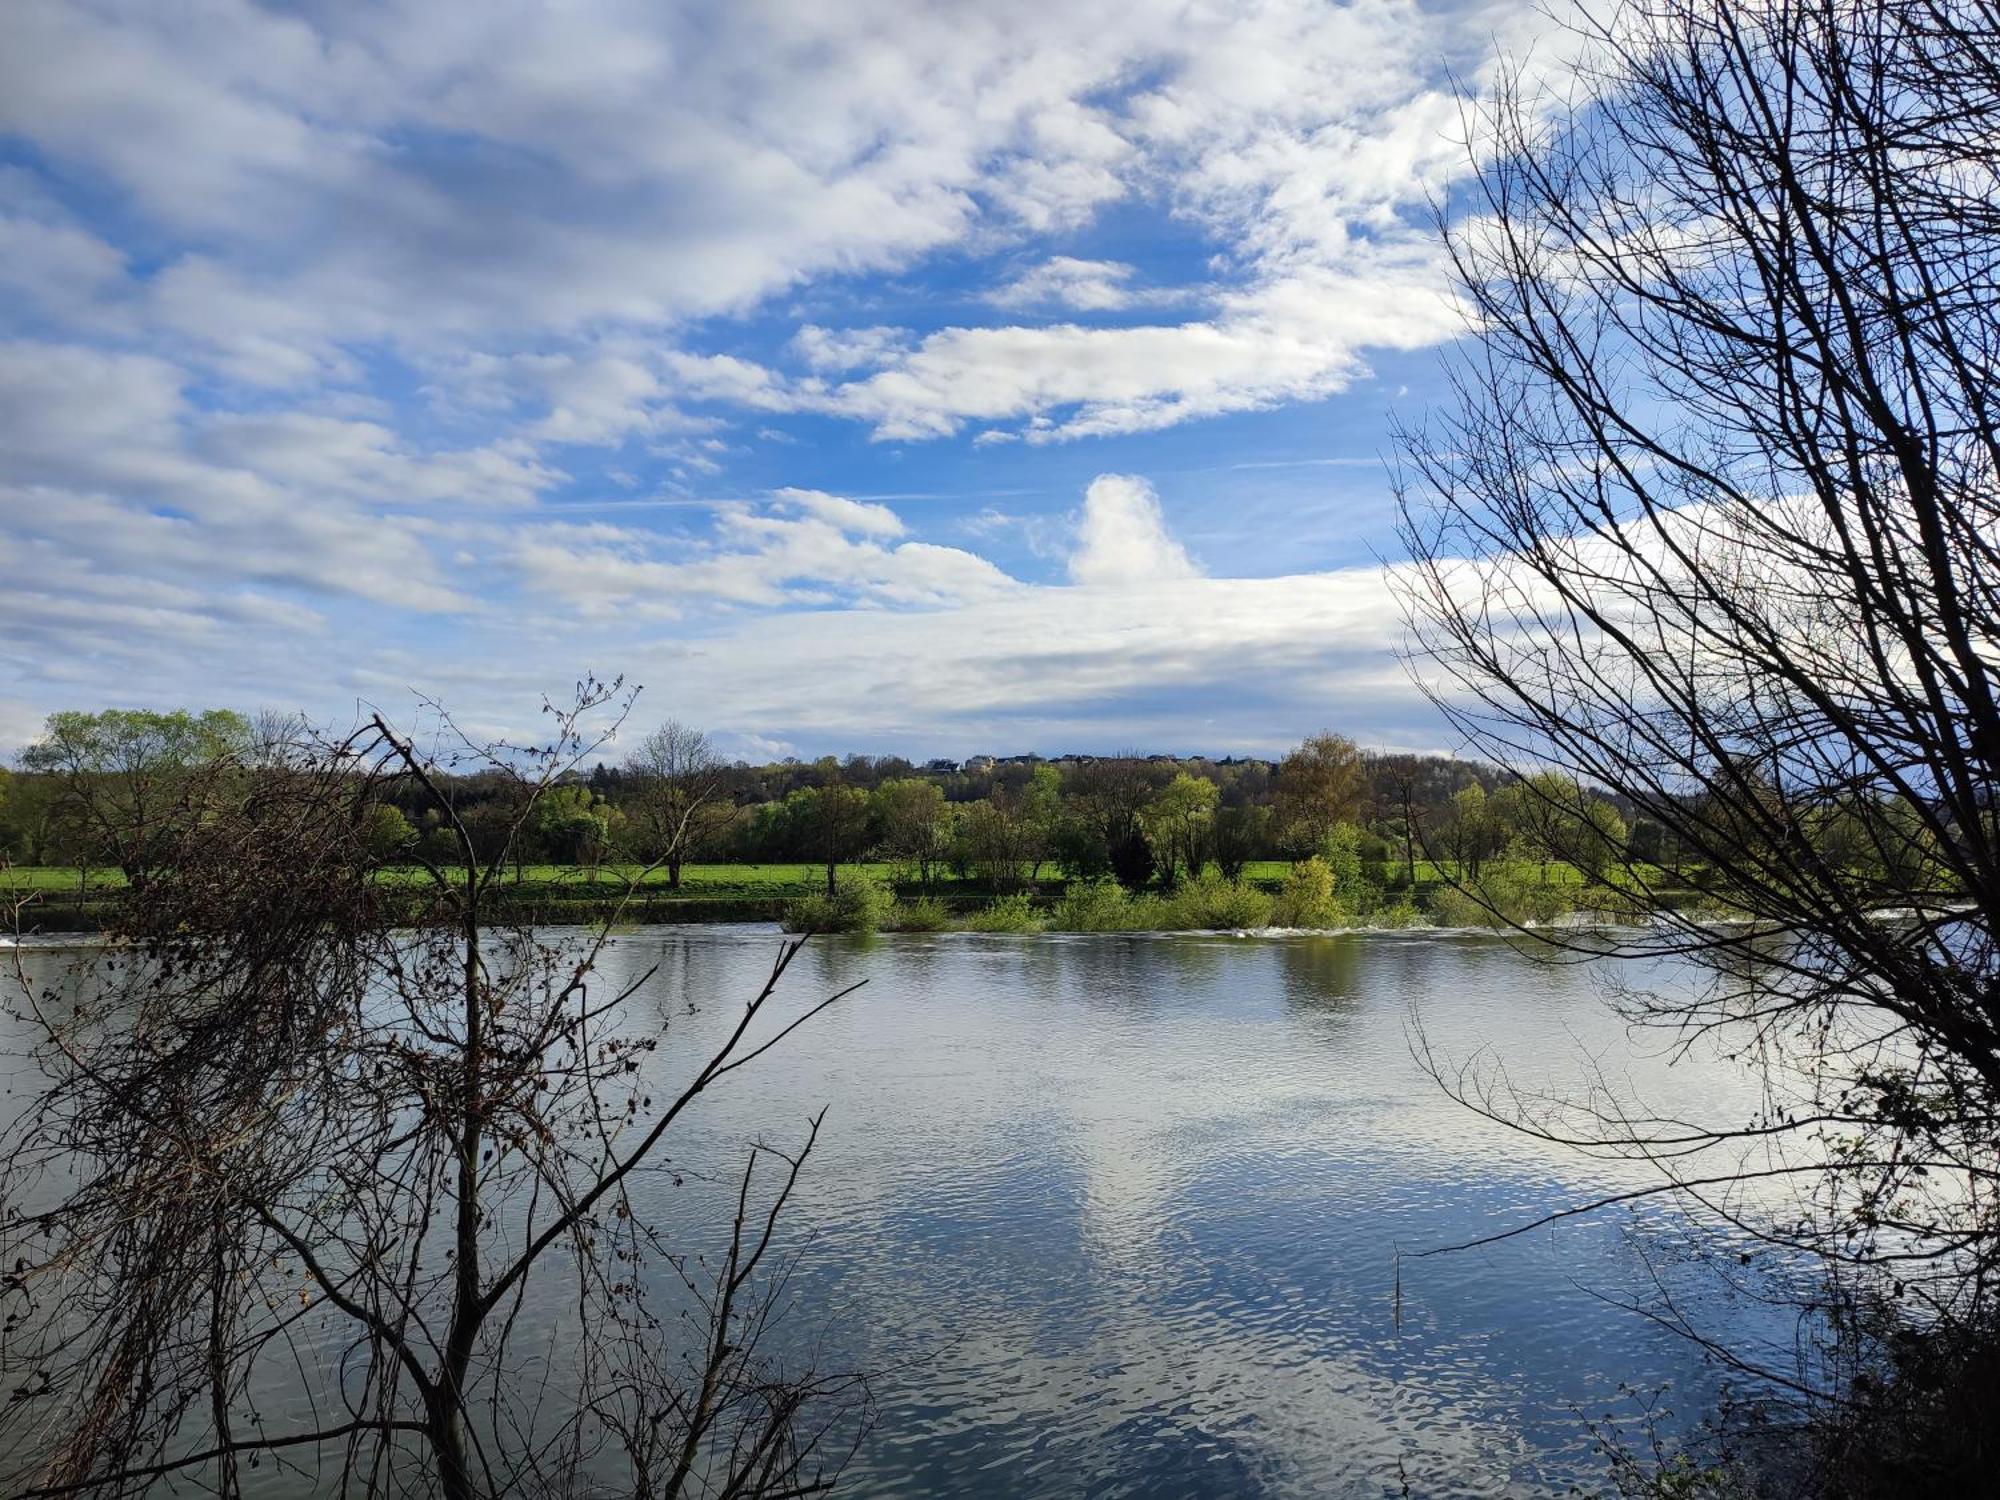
<point x="914" y="376"/>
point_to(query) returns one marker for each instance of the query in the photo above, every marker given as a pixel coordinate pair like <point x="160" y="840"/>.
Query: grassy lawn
<point x="712" y="881"/>
<point x="696" y="880"/>
<point x="58" y="878"/>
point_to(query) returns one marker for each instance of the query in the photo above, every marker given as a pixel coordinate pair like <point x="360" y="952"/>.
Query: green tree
<point x="1239" y="835"/>
<point x="576" y="824"/>
<point x="1551" y="819"/>
<point x="1468" y="833"/>
<point x="830" y="823"/>
<point x="913" y="823"/>
<point x="129" y="780"/>
<point x="1319" y="785"/>
<point x="1307" y="899"/>
<point x="1038" y="810"/>
<point x="1078" y="848"/>
<point x="1340" y="853"/>
<point x="1177" y="823"/>
<point x="385" y="832"/>
<point x="1108" y="796"/>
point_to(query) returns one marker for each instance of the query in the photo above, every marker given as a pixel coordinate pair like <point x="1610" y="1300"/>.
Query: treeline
<point x="106" y="789"/>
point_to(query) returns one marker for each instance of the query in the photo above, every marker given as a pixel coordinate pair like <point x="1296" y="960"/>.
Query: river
<point x="1121" y="1214"/>
<point x="1132" y="1206"/>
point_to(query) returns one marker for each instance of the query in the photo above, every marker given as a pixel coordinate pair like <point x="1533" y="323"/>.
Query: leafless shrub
<point x="317" y="1147"/>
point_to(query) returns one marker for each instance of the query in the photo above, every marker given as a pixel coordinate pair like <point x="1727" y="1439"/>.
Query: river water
<point x="1121" y="1214"/>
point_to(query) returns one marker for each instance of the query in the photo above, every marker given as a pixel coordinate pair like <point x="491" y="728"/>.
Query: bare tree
<point x="1711" y="524"/>
<point x="679" y="798"/>
<point x="308" y="1098"/>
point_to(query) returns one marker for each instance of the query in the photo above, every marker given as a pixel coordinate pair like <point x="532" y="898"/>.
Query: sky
<point x="877" y="377"/>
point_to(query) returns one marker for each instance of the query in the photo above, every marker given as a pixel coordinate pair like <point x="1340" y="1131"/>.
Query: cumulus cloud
<point x="1121" y="536"/>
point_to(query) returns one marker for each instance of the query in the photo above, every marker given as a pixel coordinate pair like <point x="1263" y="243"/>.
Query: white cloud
<point x="308" y="315"/>
<point x="1065" y="281"/>
<point x="1299" y="338"/>
<point x="849" y="515"/>
<point x="848" y="348"/>
<point x="1123" y="538"/>
<point x="406" y="177"/>
<point x="807" y="548"/>
<point x="112" y="483"/>
<point x="1140" y="651"/>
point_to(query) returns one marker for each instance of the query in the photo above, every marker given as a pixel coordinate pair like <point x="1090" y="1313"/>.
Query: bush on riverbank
<point x="925" y="914"/>
<point x="1212" y="900"/>
<point x="1502" y="896"/>
<point x="1096" y="906"/>
<point x="1015" y="913"/>
<point x="859" y="903"/>
<point x="1306" y="899"/>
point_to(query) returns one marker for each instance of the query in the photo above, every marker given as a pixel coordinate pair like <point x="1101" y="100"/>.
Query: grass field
<point x="58" y="878"/>
<point x="753" y="880"/>
<point x="705" y="880"/>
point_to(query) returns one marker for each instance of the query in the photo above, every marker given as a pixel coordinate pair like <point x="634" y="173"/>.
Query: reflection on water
<point x="1132" y="1205"/>
<point x="1118" y="1215"/>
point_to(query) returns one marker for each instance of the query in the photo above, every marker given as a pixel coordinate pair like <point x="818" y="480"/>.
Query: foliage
<point x="1554" y="820"/>
<point x="385" y="833"/>
<point x="1132" y="861"/>
<point x="925" y="914"/>
<point x="1096" y="906"/>
<point x="576" y="823"/>
<point x="1210" y="900"/>
<point x="1012" y="913"/>
<point x="993" y="844"/>
<point x="830" y="824"/>
<point x="859" y="903"/>
<point x="912" y="823"/>
<point x="130" y="781"/>
<point x="1236" y="835"/>
<point x="1077" y="845"/>
<point x="1176" y="825"/>
<point x="1307" y="898"/>
<point x="1340" y="851"/>
<point x="1319" y="785"/>
<point x="1505" y="894"/>
<point x="1467" y="832"/>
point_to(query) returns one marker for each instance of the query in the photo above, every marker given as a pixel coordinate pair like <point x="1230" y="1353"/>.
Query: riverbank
<point x="1270" y="894"/>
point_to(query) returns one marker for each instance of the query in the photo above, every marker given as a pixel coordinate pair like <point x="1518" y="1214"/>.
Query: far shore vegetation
<point x="1327" y="837"/>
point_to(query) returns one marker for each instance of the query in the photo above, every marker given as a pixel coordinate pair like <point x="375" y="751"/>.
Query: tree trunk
<point x="447" y="1416"/>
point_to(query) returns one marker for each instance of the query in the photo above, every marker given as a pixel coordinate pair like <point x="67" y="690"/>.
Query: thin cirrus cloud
<point x="328" y="324"/>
